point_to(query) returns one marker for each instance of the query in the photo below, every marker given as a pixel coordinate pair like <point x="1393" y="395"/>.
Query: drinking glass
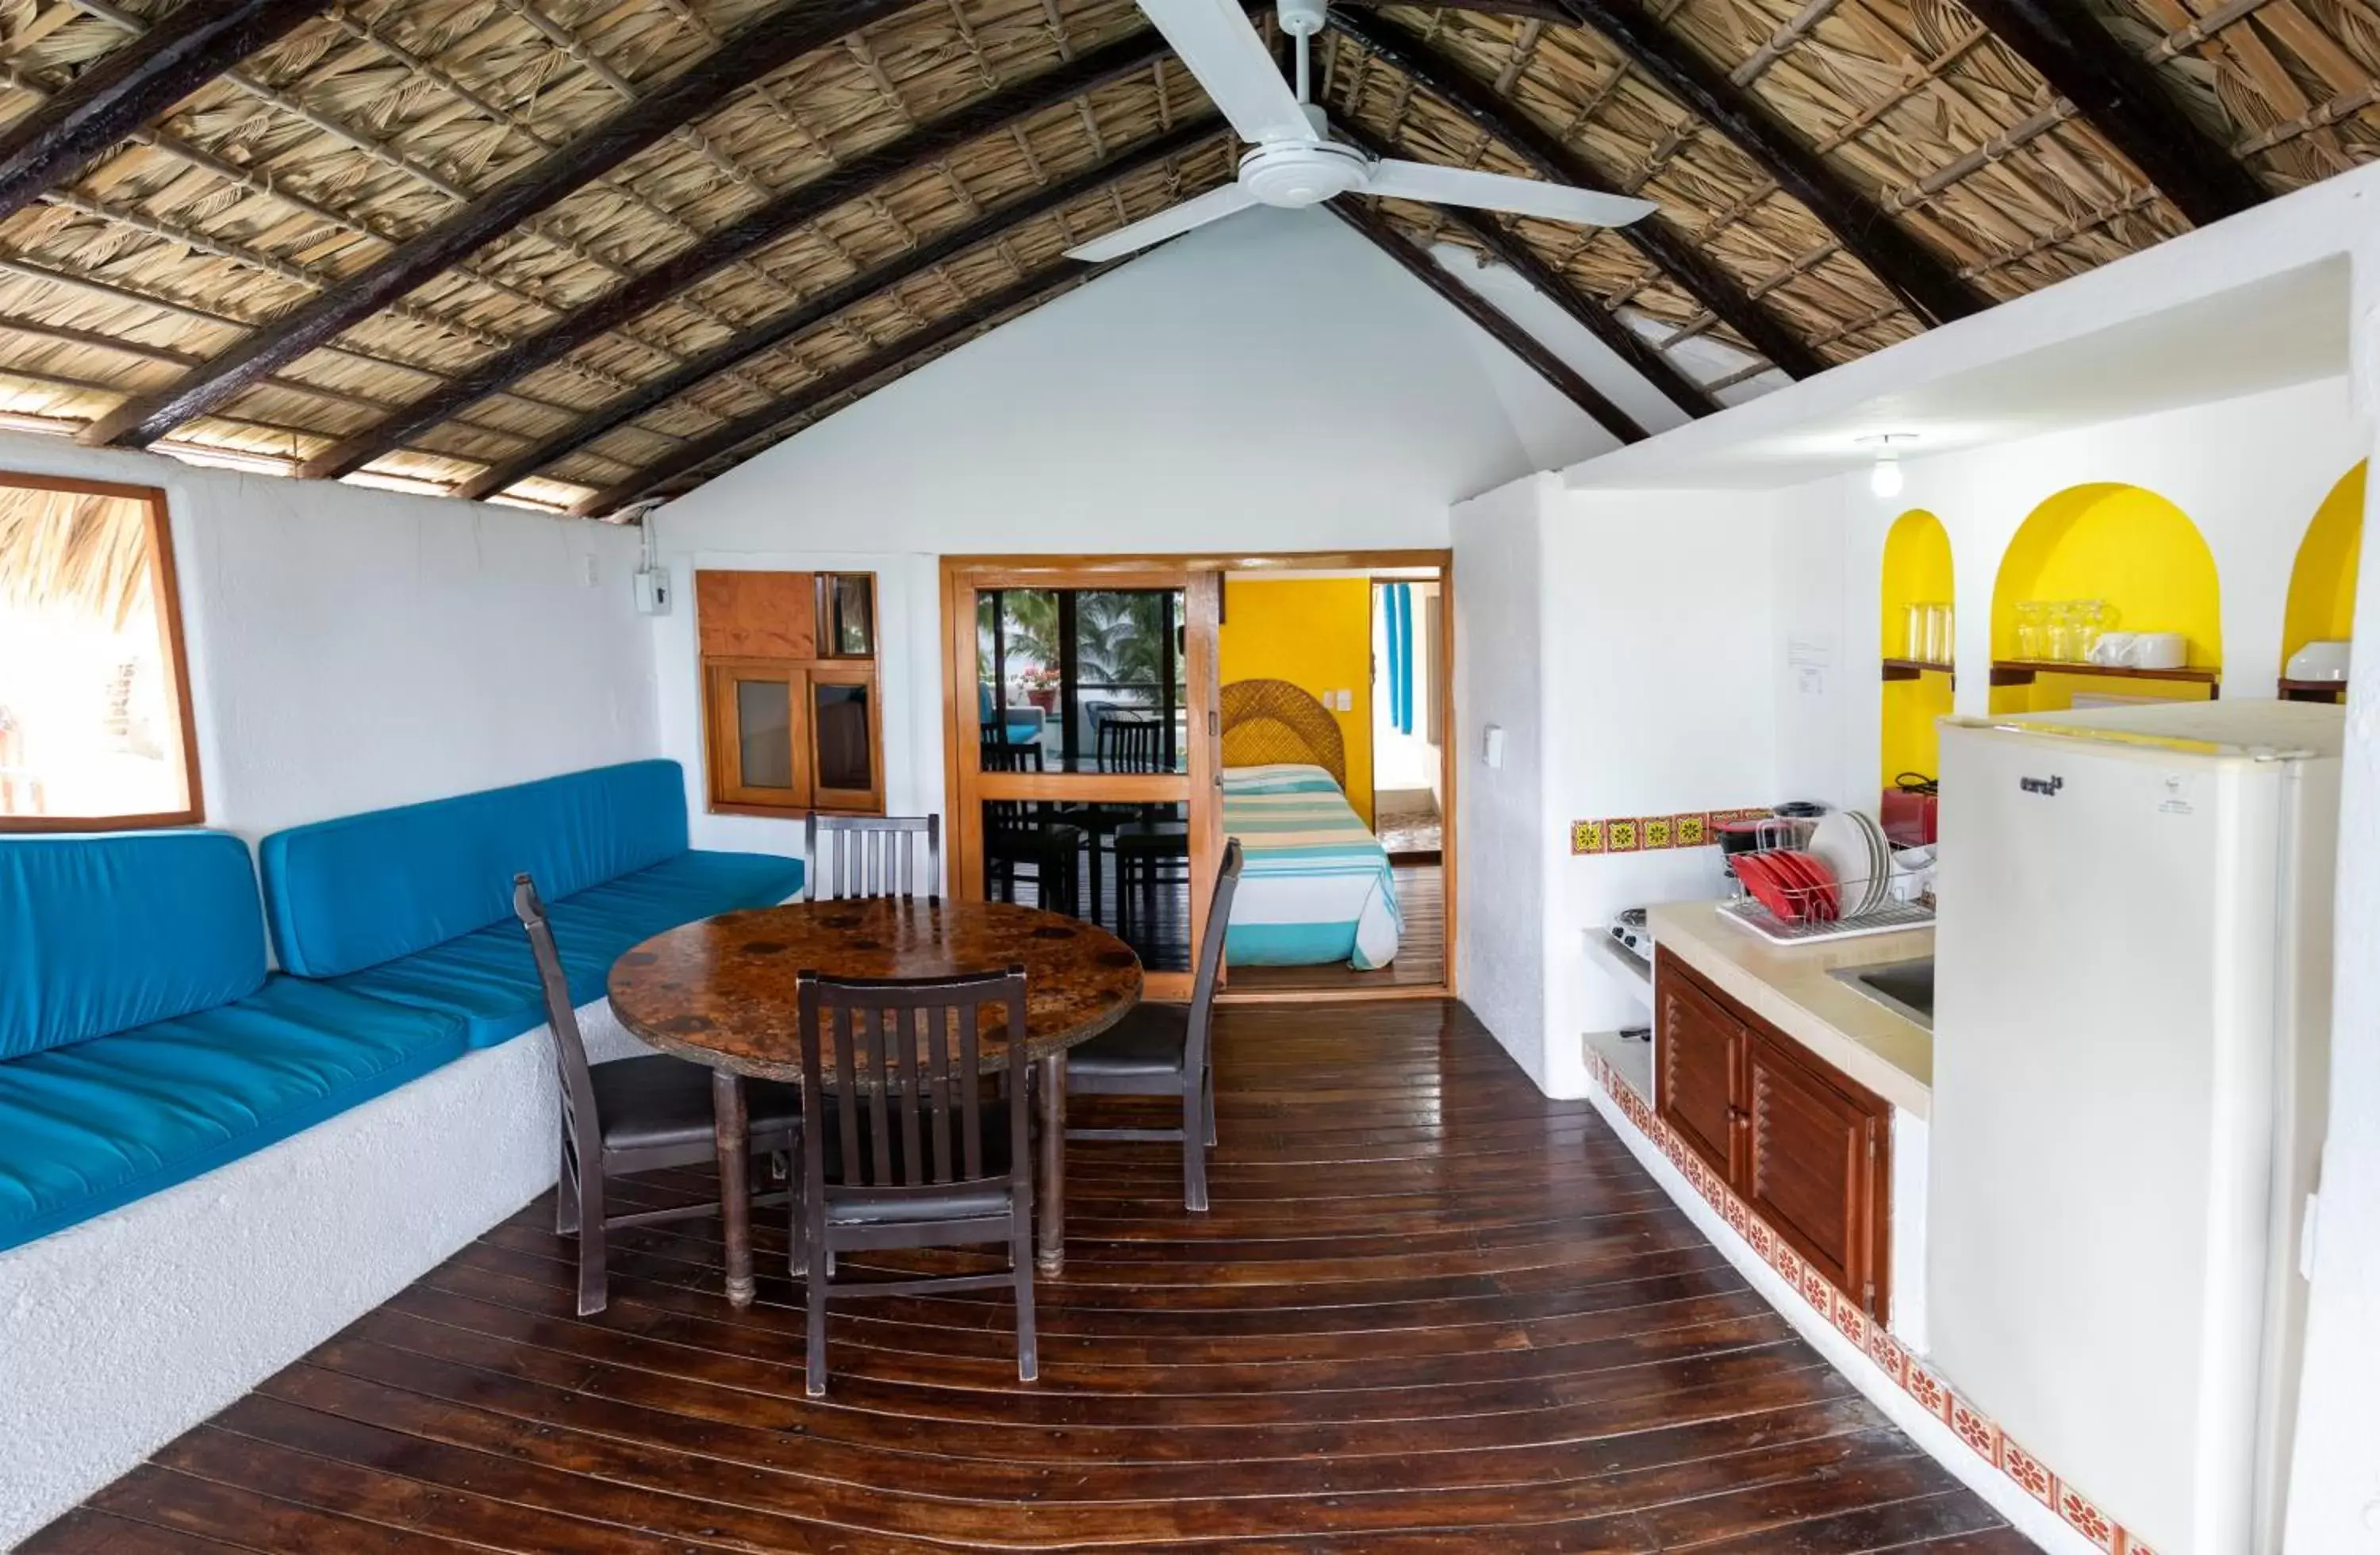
<point x="1937" y="634"/>
<point x="2031" y="620"/>
<point x="1914" y="632"/>
<point x="2063" y="630"/>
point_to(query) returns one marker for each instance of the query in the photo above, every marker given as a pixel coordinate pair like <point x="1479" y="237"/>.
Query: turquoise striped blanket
<point x="1316" y="886"/>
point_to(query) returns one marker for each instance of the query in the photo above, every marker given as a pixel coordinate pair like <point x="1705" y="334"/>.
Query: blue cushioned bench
<point x="142" y="1041"/>
<point x="413" y="905"/>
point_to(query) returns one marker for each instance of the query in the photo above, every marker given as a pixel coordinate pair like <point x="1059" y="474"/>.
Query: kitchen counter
<point x="1788" y="985"/>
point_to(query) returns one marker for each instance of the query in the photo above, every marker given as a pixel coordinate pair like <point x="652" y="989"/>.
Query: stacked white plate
<point x="1852" y="845"/>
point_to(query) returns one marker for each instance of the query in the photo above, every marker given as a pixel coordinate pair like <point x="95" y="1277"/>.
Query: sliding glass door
<point x="1083" y="749"/>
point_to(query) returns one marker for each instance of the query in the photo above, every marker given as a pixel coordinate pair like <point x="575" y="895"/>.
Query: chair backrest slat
<point x="873" y="856"/>
<point x="938" y="1086"/>
<point x="914" y="1047"/>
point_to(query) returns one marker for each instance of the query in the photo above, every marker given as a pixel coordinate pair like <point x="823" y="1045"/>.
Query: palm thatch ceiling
<point x="581" y="253"/>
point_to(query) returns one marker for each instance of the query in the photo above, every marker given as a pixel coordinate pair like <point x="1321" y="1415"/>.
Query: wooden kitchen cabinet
<point x="1807" y="1149"/>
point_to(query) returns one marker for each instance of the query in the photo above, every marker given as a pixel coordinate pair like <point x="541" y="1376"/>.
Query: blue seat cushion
<point x="365" y="889"/>
<point x="88" y="1127"/>
<point x="102" y="934"/>
<point x="488" y="979"/>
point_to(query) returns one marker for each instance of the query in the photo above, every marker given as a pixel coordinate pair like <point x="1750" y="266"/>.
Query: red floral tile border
<point x="1647" y="833"/>
<point x="1977" y="1431"/>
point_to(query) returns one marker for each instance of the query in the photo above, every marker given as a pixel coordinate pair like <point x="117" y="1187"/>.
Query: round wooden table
<point x="721" y="992"/>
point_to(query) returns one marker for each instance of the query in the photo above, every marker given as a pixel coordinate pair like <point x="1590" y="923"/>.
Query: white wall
<point x="351" y="648"/>
<point x="1271" y="384"/>
<point x="1500" y="811"/>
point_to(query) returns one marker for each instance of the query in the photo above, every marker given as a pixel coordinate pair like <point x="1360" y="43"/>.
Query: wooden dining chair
<point x="873" y="856"/>
<point x="632" y="1114"/>
<point x="919" y="1159"/>
<point x="1163" y="1049"/>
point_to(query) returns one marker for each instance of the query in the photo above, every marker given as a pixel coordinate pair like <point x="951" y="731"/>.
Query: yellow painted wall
<point x="1917" y="570"/>
<point x="1315" y="633"/>
<point x="2129" y="547"/>
<point x="2322" y="585"/>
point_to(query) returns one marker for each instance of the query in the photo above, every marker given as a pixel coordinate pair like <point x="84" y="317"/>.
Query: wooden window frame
<point x="803" y="673"/>
<point x="164" y="584"/>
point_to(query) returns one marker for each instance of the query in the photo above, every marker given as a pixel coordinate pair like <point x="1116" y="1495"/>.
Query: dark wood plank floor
<point x="1430" y="1311"/>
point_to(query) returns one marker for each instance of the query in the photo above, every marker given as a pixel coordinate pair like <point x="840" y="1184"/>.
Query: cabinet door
<point x="759" y="752"/>
<point x="1701" y="1049"/>
<point x="841" y="721"/>
<point x="1816" y="1168"/>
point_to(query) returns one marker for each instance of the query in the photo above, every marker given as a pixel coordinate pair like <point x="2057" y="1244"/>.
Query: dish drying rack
<point x="1887" y="917"/>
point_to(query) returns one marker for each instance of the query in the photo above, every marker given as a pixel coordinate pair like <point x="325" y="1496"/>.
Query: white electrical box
<point x="652" y="590"/>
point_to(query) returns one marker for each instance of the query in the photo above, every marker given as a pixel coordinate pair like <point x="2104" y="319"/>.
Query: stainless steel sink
<point x="1906" y="988"/>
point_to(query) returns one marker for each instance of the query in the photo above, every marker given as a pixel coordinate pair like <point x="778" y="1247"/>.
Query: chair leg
<point x="1194" y="1149"/>
<point x="594" y="1288"/>
<point x="798" y="1262"/>
<point x="1020" y="1255"/>
<point x="814" y="1368"/>
<point x="1209" y="1089"/>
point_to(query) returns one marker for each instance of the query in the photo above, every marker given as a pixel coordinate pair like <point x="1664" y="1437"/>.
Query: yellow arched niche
<point x="2126" y="545"/>
<point x="1917" y="570"/>
<point x="2321" y="584"/>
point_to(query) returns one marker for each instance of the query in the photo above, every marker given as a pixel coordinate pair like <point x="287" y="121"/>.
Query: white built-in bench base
<point x="118" y="1334"/>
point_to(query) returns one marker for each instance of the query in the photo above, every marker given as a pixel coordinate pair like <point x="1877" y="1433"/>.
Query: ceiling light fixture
<point x="1885" y="479"/>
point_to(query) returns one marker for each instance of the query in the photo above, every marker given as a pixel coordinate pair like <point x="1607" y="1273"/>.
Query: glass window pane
<point x="764" y="733"/>
<point x="839" y="725"/>
<point x="90" y="713"/>
<point x="851" y="617"/>
<point x="1125" y="867"/>
<point x="1093" y="678"/>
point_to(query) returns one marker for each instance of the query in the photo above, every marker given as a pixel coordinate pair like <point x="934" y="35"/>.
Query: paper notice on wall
<point x="1809" y="660"/>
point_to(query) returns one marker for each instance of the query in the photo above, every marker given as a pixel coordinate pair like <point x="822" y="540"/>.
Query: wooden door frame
<point x="1164" y="569"/>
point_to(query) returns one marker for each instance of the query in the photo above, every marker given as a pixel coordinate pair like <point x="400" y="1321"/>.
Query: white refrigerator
<point x="2131" y="1048"/>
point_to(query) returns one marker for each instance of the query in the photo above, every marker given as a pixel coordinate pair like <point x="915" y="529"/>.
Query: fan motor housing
<point x="1296" y="173"/>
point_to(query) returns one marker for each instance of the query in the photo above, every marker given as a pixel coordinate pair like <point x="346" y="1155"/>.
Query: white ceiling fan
<point x="1294" y="162"/>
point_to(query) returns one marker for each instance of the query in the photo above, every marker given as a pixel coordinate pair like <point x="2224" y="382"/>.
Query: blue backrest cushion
<point x="353" y="892"/>
<point x="100" y="934"/>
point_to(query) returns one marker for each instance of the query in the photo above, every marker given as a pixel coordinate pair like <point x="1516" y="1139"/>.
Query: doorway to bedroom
<point x="1113" y="720"/>
<point x="1335" y="777"/>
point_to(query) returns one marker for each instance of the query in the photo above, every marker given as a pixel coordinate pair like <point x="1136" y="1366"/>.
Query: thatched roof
<point x="1834" y="175"/>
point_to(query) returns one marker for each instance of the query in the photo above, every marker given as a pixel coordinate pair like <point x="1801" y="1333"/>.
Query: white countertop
<point x="1788" y="985"/>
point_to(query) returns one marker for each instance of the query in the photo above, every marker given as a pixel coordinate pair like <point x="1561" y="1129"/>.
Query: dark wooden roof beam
<point x="2119" y="95"/>
<point x="1566" y="379"/>
<point x="140" y="81"/>
<point x="757" y="49"/>
<point x="1656" y="237"/>
<point x="1919" y="277"/>
<point x="767" y="333"/>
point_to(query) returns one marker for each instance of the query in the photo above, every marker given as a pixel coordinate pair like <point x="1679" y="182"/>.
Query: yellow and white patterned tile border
<point x="1977" y="1431"/>
<point x="1648" y="833"/>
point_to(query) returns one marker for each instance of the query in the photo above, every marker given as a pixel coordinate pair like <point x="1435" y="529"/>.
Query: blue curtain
<point x="1396" y="623"/>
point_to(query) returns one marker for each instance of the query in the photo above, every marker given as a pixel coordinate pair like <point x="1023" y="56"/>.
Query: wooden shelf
<point x="1909" y="669"/>
<point x="2313" y="691"/>
<point x="2022" y="671"/>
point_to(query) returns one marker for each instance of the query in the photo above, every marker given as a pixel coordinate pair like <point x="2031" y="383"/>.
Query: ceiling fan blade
<point x="1495" y="191"/>
<point x="1211" y="206"/>
<point x="1216" y="40"/>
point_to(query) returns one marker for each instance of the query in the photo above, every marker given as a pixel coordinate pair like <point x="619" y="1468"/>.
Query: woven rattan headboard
<point x="1270" y="721"/>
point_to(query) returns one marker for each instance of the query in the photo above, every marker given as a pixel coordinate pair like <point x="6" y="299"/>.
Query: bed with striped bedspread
<point x="1316" y="886"/>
